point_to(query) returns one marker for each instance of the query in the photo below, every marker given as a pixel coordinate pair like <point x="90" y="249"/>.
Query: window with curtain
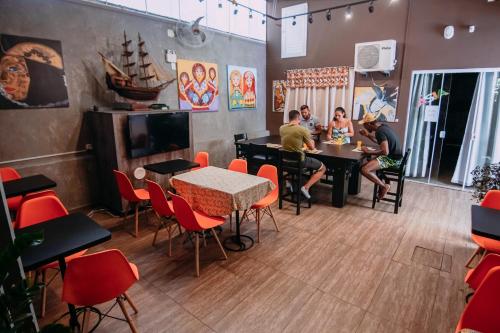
<point x="322" y="89"/>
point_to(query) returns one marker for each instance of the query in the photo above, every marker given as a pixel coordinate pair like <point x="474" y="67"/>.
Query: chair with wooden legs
<point x="291" y="169"/>
<point x="8" y="173"/>
<point x="485" y="244"/>
<point x="133" y="196"/>
<point x="202" y="158"/>
<point x="196" y="222"/>
<point x="164" y="210"/>
<point x="237" y="165"/>
<point x="476" y="275"/>
<point x="98" y="278"/>
<point x="37" y="210"/>
<point x="263" y="206"/>
<point x="240" y="149"/>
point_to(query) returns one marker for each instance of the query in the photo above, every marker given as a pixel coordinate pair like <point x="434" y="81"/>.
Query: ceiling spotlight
<point x="371" y="8"/>
<point x="348" y="13"/>
<point x="294" y="23"/>
<point x="220" y="4"/>
<point x="250" y="15"/>
<point x="263" y="19"/>
<point x="329" y="15"/>
<point x="235" y="10"/>
<point x="310" y="19"/>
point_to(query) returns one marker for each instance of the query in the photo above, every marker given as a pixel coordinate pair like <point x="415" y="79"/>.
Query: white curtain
<point x="481" y="142"/>
<point x="419" y="131"/>
<point x="321" y="101"/>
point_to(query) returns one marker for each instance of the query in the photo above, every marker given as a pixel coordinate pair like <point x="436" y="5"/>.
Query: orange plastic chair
<point x="485" y="245"/>
<point x="202" y="159"/>
<point x="133" y="196"/>
<point x="263" y="206"/>
<point x="164" y="210"/>
<point x="196" y="222"/>
<point x="475" y="276"/>
<point x="37" y="210"/>
<point x="7" y="174"/>
<point x="100" y="277"/>
<point x="238" y="165"/>
<point x="481" y="313"/>
<point x="30" y="196"/>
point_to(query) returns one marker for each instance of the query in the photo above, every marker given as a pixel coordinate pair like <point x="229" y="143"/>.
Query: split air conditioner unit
<point x="375" y="56"/>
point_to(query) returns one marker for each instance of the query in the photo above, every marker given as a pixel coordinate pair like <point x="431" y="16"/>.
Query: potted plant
<point x="485" y="178"/>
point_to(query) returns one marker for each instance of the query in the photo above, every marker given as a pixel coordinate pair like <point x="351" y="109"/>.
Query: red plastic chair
<point x="238" y="165"/>
<point x="133" y="196"/>
<point x="164" y="209"/>
<point x="37" y="210"/>
<point x="475" y="276"/>
<point x="202" y="159"/>
<point x="30" y="196"/>
<point x="481" y="313"/>
<point x="7" y="174"/>
<point x="196" y="222"/>
<point x="485" y="245"/>
<point x="100" y="277"/>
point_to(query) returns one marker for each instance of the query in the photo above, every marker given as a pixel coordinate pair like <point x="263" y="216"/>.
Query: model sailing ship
<point x="152" y="78"/>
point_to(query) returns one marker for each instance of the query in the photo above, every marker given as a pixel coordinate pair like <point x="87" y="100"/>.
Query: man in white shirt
<point x="309" y="121"/>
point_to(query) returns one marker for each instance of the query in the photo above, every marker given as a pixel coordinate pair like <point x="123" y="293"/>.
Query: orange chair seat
<point x="142" y="194"/>
<point x="206" y="221"/>
<point x="489" y="244"/>
<point x="266" y="201"/>
<point x="14" y="202"/>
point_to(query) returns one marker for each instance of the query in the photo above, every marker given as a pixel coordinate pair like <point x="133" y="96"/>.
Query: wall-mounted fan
<point x="192" y="34"/>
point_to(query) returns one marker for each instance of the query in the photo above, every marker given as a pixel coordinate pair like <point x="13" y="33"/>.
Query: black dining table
<point x="27" y="185"/>
<point x="485" y="222"/>
<point x="341" y="159"/>
<point x="62" y="237"/>
<point x="171" y="167"/>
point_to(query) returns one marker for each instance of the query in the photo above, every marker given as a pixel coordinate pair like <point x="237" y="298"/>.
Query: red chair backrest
<point x="202" y="159"/>
<point x="125" y="186"/>
<point x="492" y="199"/>
<point x="184" y="213"/>
<point x="97" y="278"/>
<point x="270" y="172"/>
<point x="38" y="210"/>
<point x="33" y="195"/>
<point x="482" y="312"/>
<point x="9" y="173"/>
<point x="238" y="165"/>
<point x="158" y="199"/>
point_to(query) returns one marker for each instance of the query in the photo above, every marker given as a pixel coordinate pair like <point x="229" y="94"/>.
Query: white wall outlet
<point x="170" y="33"/>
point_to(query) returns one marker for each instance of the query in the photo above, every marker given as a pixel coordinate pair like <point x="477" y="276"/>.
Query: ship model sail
<point x="146" y="84"/>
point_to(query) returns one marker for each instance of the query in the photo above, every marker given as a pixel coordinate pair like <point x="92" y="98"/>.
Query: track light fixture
<point x="310" y="19"/>
<point x="263" y="19"/>
<point x="250" y="14"/>
<point x="294" y="23"/>
<point x="220" y="4"/>
<point x="235" y="12"/>
<point x="329" y="15"/>
<point x="348" y="13"/>
<point x="371" y="8"/>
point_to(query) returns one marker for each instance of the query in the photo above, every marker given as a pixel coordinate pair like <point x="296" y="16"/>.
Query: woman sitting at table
<point x="340" y="128"/>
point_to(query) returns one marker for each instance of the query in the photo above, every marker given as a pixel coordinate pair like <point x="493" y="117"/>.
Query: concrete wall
<point x="84" y="29"/>
<point x="416" y="25"/>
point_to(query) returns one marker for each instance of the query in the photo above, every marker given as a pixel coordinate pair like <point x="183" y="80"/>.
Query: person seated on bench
<point x="293" y="138"/>
<point x="388" y="156"/>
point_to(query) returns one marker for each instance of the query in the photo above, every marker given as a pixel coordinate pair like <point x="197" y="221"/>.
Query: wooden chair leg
<point x="129" y="300"/>
<point x="218" y="243"/>
<point x="85" y="320"/>
<point x="197" y="253"/>
<point x="169" y="230"/>
<point x="127" y="316"/>
<point x="160" y="225"/>
<point x="231" y="222"/>
<point x="272" y="217"/>
<point x="374" y="199"/>
<point x="43" y="302"/>
<point x="257" y="219"/>
<point x="136" y="220"/>
<point x="398" y="197"/>
<point x="478" y="251"/>
<point x="180" y="229"/>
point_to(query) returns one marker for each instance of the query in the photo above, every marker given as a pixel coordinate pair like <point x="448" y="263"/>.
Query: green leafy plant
<point x="484" y="179"/>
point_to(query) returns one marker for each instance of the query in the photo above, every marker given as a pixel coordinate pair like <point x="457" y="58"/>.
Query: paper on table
<point x="330" y="142"/>
<point x="315" y="151"/>
<point x="273" y="145"/>
<point x="360" y="151"/>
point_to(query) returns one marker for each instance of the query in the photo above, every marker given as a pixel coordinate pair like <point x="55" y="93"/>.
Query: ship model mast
<point x="152" y="78"/>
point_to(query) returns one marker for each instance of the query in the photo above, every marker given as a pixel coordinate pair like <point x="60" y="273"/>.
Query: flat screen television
<point x="150" y="134"/>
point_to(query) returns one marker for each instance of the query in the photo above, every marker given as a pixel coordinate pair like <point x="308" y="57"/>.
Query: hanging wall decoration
<point x="379" y="100"/>
<point x="279" y="95"/>
<point x="318" y="77"/>
<point x="242" y="91"/>
<point x="31" y="73"/>
<point x="198" y="85"/>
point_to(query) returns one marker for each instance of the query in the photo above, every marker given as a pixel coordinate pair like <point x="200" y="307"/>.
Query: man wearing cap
<point x="388" y="155"/>
<point x="310" y="122"/>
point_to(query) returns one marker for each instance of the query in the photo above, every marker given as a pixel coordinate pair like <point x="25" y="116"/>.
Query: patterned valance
<point x="318" y="77"/>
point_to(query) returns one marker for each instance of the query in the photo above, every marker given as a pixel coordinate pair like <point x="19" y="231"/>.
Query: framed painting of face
<point x="198" y="85"/>
<point x="242" y="87"/>
<point x="31" y="73"/>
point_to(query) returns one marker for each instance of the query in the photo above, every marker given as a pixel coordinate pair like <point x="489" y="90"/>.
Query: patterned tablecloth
<point x="218" y="192"/>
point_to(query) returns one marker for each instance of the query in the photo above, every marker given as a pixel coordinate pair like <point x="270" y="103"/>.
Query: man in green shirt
<point x="293" y="138"/>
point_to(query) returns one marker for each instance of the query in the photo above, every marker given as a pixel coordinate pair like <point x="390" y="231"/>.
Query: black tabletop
<point x="485" y="222"/>
<point x="327" y="150"/>
<point x="63" y="237"/>
<point x="171" y="166"/>
<point x="26" y="185"/>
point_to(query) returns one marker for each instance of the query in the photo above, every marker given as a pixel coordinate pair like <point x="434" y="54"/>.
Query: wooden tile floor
<point x="329" y="270"/>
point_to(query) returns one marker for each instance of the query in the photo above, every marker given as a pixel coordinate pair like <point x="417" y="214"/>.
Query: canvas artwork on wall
<point x="381" y="101"/>
<point x="242" y="83"/>
<point x="279" y="95"/>
<point x="198" y="84"/>
<point x="31" y="73"/>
